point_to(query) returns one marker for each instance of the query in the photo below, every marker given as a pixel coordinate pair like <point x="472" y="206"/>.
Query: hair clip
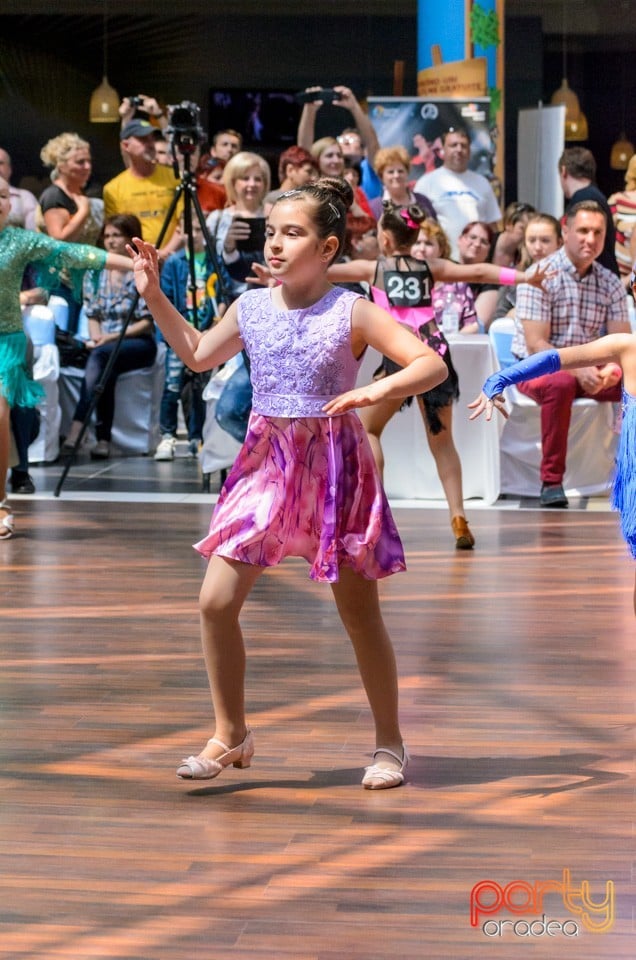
<point x="334" y="210"/>
<point x="408" y="219"/>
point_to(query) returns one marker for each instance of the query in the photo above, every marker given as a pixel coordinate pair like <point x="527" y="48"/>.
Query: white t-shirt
<point x="458" y="199"/>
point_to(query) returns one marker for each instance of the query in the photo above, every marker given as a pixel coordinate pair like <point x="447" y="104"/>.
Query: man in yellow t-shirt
<point x="146" y="188"/>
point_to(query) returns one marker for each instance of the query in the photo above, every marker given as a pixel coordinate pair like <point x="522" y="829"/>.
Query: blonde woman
<point x="238" y="231"/>
<point x="65" y="212"/>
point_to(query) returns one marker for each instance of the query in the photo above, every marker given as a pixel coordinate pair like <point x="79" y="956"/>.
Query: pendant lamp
<point x="623" y="149"/>
<point x="104" y="105"/>
<point x="575" y="119"/>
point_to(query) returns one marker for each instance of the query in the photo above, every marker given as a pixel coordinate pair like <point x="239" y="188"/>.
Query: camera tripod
<point x="186" y="188"/>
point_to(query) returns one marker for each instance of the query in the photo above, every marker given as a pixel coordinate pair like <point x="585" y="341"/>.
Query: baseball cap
<point x="137" y="128"/>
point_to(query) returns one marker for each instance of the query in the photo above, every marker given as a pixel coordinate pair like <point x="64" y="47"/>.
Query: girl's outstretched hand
<point x="145" y="267"/>
<point x="482" y="403"/>
<point x="536" y="277"/>
<point x="263" y="277"/>
<point x="360" y="397"/>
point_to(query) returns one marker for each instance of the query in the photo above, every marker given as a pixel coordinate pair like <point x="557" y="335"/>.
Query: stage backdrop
<point x="460" y="51"/>
<point x="418" y="124"/>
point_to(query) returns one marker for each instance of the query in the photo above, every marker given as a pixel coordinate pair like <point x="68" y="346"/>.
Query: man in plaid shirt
<point x="580" y="302"/>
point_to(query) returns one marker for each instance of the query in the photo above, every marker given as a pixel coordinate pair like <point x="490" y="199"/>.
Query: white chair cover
<point x="591" y="440"/>
<point x="219" y="448"/>
<point x="46" y="370"/>
<point x="137" y="405"/>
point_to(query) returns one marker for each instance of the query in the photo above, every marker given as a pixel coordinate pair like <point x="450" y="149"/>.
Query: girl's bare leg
<point x="374" y="420"/>
<point x="359" y="608"/>
<point x="226" y="585"/>
<point x="449" y="468"/>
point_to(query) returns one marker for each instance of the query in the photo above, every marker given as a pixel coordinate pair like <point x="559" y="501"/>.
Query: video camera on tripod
<point x="184" y="126"/>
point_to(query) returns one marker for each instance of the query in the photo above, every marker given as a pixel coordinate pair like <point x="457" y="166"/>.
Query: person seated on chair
<point x="475" y="244"/>
<point x="109" y="297"/>
<point x="542" y="236"/>
<point x="432" y="243"/>
<point x="581" y="301"/>
<point x="577" y="174"/>
<point x="507" y="249"/>
<point x="181" y="383"/>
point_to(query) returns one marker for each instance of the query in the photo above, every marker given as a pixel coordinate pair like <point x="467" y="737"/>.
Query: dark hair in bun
<point x="330" y="198"/>
<point x="402" y="222"/>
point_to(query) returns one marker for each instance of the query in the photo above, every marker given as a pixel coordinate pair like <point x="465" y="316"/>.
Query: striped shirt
<point x="578" y="309"/>
<point x="623" y="207"/>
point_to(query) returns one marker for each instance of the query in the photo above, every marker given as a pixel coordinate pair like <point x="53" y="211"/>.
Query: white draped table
<point x="409" y="472"/>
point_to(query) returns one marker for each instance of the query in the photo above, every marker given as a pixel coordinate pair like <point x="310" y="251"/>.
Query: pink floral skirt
<point x="306" y="487"/>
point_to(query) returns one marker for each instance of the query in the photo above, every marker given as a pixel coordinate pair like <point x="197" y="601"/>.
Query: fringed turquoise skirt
<point x="16" y="384"/>
<point x="624" y="490"/>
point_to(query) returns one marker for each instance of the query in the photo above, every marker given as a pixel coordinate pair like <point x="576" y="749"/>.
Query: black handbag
<point x="73" y="352"/>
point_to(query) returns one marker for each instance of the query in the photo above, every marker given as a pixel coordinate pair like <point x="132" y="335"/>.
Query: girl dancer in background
<point x="304" y="482"/>
<point x="17" y="249"/>
<point x="402" y="285"/>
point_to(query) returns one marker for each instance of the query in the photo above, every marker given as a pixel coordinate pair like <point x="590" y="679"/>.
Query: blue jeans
<point x="135" y="354"/>
<point x="235" y="403"/>
<point x="182" y="384"/>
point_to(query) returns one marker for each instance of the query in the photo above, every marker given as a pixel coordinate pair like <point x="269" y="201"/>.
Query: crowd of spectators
<point x="235" y="189"/>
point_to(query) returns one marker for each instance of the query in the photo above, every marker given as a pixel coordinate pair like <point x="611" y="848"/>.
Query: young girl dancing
<point x="606" y="352"/>
<point x="304" y="483"/>
<point x="402" y="285"/>
<point x="17" y="249"/>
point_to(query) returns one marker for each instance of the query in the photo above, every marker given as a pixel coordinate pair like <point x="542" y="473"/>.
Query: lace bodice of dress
<point x="299" y="359"/>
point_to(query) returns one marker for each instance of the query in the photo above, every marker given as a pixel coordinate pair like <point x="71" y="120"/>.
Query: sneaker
<point x="553" y="495"/>
<point x="166" y="448"/>
<point x="193" y="447"/>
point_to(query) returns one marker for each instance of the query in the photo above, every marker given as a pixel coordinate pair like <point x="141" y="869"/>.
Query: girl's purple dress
<point x="303" y="484"/>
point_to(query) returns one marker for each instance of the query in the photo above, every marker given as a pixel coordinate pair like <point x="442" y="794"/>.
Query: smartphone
<point x="327" y="95"/>
<point x="256" y="240"/>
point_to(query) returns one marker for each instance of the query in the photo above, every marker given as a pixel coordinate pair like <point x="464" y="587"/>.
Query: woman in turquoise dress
<point x="18" y="248"/>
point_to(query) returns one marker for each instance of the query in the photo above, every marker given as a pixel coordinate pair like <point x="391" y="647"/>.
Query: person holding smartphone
<point x="238" y="231"/>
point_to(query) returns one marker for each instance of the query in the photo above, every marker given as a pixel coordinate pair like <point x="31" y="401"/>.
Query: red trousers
<point x="555" y="394"/>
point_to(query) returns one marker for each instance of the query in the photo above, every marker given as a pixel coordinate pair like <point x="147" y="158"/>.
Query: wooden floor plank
<point x="518" y="682"/>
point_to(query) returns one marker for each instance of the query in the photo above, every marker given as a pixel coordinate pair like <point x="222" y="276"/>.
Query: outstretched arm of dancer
<point x="450" y="272"/>
<point x="617" y="347"/>
<point x="199" y="351"/>
<point x="423" y="368"/>
<point x="116" y="261"/>
<point x="353" y="271"/>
